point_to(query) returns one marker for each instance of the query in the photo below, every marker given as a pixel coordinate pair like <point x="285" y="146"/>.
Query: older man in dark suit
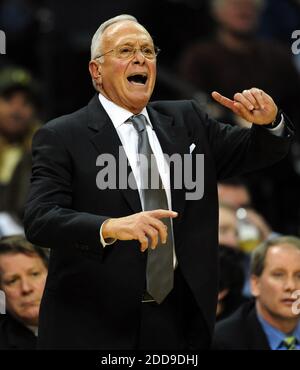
<point x="126" y="271"/>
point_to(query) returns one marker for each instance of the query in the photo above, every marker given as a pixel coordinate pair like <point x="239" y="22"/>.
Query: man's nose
<point x="290" y="284"/>
<point x="139" y="57"/>
<point x="26" y="286"/>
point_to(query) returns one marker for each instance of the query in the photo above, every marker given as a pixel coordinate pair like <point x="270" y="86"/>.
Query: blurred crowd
<point x="222" y="45"/>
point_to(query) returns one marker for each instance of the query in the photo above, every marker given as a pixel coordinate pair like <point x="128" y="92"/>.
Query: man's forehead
<point x="282" y="254"/>
<point x="18" y="261"/>
<point x="125" y="31"/>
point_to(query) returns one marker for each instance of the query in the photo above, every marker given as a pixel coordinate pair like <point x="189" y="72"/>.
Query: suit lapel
<point x="106" y="140"/>
<point x="257" y="339"/>
<point x="18" y="336"/>
<point x="170" y="138"/>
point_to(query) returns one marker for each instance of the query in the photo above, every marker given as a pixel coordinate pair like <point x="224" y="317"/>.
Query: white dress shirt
<point x="129" y="139"/>
<point x="278" y="130"/>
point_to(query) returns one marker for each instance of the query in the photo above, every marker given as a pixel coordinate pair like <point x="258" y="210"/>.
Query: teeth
<point x="138" y="74"/>
<point x="138" y="78"/>
<point x="137" y="83"/>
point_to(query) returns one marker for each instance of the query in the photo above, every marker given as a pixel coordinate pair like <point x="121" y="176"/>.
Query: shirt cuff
<point x="108" y="241"/>
<point x="278" y="130"/>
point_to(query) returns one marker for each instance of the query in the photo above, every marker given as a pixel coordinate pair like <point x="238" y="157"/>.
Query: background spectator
<point x="23" y="272"/>
<point x="272" y="320"/>
<point x="232" y="278"/>
<point x="228" y="226"/>
<point x="18" y="123"/>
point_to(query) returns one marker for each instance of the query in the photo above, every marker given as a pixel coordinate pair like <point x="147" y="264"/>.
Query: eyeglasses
<point x="127" y="52"/>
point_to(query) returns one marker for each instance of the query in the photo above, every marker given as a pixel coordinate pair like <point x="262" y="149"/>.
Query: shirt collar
<point x="34" y="329"/>
<point x="117" y="114"/>
<point x="275" y="336"/>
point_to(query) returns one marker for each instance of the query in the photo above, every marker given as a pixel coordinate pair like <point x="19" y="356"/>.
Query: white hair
<point x="96" y="45"/>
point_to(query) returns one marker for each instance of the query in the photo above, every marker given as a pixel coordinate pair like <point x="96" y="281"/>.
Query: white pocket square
<point x="192" y="147"/>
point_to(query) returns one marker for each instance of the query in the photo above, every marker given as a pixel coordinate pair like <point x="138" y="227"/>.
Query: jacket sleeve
<point x="239" y="150"/>
<point x="49" y="219"/>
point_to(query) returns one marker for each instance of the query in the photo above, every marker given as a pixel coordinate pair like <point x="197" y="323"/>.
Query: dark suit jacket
<point x="241" y="331"/>
<point x="93" y="295"/>
<point x="14" y="335"/>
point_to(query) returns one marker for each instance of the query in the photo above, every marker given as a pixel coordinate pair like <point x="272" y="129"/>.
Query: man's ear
<point x="255" y="285"/>
<point x="95" y="71"/>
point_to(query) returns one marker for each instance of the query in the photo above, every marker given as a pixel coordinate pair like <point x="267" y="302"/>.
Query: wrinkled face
<point x="127" y="82"/>
<point x="280" y="278"/>
<point x="16" y="114"/>
<point x="240" y="16"/>
<point x="23" y="280"/>
<point x="228" y="228"/>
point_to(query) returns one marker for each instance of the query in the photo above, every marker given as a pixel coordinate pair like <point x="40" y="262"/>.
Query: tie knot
<point x="290" y="342"/>
<point x="139" y="122"/>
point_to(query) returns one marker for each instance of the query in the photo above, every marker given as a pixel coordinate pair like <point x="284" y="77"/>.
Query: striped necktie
<point x="290" y="342"/>
<point x="159" y="270"/>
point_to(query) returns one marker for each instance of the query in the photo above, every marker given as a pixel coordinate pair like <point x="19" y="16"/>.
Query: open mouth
<point x="137" y="79"/>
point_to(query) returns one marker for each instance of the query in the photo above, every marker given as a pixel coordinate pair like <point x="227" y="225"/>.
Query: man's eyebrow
<point x="131" y="42"/>
<point x="281" y="268"/>
<point x="34" y="268"/>
<point x="9" y="276"/>
<point x="126" y="43"/>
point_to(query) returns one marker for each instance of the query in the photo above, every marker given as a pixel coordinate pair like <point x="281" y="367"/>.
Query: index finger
<point x="162" y="213"/>
<point x="228" y="103"/>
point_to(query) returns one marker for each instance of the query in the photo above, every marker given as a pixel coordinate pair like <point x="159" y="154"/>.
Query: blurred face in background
<point x="22" y="278"/>
<point x="128" y="82"/>
<point x="279" y="279"/>
<point x="228" y="227"/>
<point x="237" y="16"/>
<point x="16" y="115"/>
<point x="234" y="196"/>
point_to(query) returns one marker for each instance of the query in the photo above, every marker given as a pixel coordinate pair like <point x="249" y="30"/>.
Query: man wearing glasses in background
<point x="136" y="268"/>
